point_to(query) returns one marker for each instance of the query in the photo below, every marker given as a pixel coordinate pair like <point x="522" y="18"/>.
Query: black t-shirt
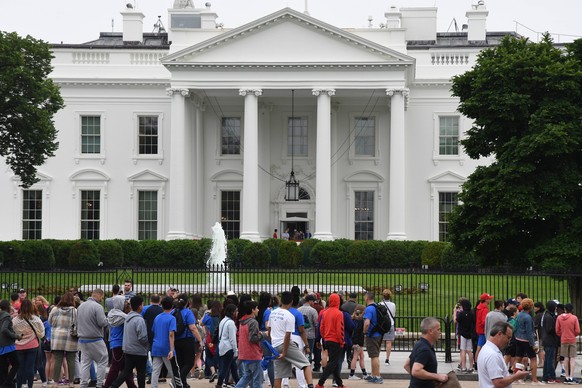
<point x="151" y="313"/>
<point x="424" y="354"/>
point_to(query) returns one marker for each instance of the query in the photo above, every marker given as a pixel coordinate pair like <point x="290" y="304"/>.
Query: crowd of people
<point x="233" y="342"/>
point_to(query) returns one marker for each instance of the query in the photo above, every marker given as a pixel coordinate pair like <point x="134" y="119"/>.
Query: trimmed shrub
<point x="306" y="246"/>
<point x="132" y="252"/>
<point x="414" y="251"/>
<point x="273" y="245"/>
<point x="204" y="247"/>
<point x="185" y="253"/>
<point x="329" y="254"/>
<point x="256" y="255"/>
<point x="395" y="254"/>
<point x="455" y="260"/>
<point x="11" y="251"/>
<point x="366" y="254"/>
<point x="290" y="255"/>
<point x="84" y="254"/>
<point x="110" y="253"/>
<point x="431" y="255"/>
<point x="155" y="254"/>
<point x="61" y="250"/>
<point x="37" y="254"/>
<point x="234" y="255"/>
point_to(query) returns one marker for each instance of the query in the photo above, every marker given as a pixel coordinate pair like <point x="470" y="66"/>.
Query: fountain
<point x="218" y="279"/>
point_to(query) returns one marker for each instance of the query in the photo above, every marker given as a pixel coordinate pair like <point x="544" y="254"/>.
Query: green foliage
<point x="84" y="254"/>
<point x="11" y="252"/>
<point x="110" y="253"/>
<point x="236" y="248"/>
<point x="185" y="254"/>
<point x="431" y="255"/>
<point x="61" y="250"/>
<point x="37" y="254"/>
<point x="132" y="252"/>
<point x="256" y="255"/>
<point x="29" y="101"/>
<point x="306" y="247"/>
<point x="154" y="253"/>
<point x="457" y="261"/>
<point x="365" y="254"/>
<point x="330" y="254"/>
<point x="273" y="245"/>
<point x="290" y="255"/>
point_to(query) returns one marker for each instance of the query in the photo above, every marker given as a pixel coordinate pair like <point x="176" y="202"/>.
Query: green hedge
<point x="193" y="254"/>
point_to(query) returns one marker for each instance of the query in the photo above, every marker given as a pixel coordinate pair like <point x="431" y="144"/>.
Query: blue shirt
<point x="266" y="315"/>
<point x="7" y="349"/>
<point x="299" y="320"/>
<point x="47" y="330"/>
<point x="189" y="319"/>
<point x="115" y="337"/>
<point x="145" y="308"/>
<point x="163" y="324"/>
<point x="370" y="313"/>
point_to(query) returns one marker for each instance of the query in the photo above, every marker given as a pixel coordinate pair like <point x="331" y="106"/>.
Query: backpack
<point x="180" y="324"/>
<point x="383" y="320"/>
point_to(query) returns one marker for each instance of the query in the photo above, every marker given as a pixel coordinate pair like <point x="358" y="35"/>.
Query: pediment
<point x="147" y="176"/>
<point x="41" y="176"/>
<point x="364" y="176"/>
<point x="448" y="177"/>
<point x="227" y="176"/>
<point x="89" y="175"/>
<point x="287" y="37"/>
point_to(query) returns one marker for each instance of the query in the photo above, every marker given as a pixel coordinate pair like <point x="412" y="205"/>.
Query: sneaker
<point x="353" y="377"/>
<point x="563" y="374"/>
<point x="469" y="371"/>
<point x="367" y="377"/>
<point x="213" y="377"/>
<point x="334" y="385"/>
<point x="44" y="384"/>
<point x="77" y="381"/>
<point x="376" y="380"/>
<point x="92" y="383"/>
<point x="387" y="362"/>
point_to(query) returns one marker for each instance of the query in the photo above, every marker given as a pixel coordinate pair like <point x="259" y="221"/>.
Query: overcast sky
<point x="78" y="21"/>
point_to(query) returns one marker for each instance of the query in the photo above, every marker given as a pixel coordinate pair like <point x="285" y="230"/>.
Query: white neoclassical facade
<point x="165" y="133"/>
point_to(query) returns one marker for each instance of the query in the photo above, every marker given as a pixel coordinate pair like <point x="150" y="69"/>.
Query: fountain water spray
<point x="218" y="279"/>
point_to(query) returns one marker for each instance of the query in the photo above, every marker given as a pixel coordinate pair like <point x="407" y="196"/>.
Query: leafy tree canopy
<point x="27" y="104"/>
<point x="525" y="208"/>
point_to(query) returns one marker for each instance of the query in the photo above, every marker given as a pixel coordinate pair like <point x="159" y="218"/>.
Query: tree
<point x="525" y="208"/>
<point x="29" y="101"/>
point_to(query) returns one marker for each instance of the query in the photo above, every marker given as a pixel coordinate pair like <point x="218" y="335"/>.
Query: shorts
<point x="294" y="357"/>
<point x="523" y="348"/>
<point x="466" y="344"/>
<point x="511" y="348"/>
<point x="481" y="340"/>
<point x="568" y="350"/>
<point x="390" y="335"/>
<point x="373" y="346"/>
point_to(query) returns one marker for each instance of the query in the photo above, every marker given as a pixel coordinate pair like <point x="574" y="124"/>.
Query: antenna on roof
<point x="453" y="22"/>
<point x="112" y="25"/>
<point x="159" y="26"/>
<point x="306" y="7"/>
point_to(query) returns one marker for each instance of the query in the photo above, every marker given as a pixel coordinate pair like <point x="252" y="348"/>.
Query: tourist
<point x="211" y="321"/>
<point x="422" y="363"/>
<point x="550" y="341"/>
<point x="539" y="310"/>
<point x="31" y="330"/>
<point x="358" y="343"/>
<point x="331" y="328"/>
<point x="249" y="347"/>
<point x="265" y="300"/>
<point x="491" y="367"/>
<point x="61" y="319"/>
<point x="149" y="314"/>
<point x="115" y="291"/>
<point x="373" y="338"/>
<point x="495" y="315"/>
<point x="389" y="337"/>
<point x="466" y="328"/>
<point x="8" y="356"/>
<point x="480" y="317"/>
<point x="227" y="346"/>
<point x="91" y="321"/>
<point x="310" y="322"/>
<point x="116" y="319"/>
<point x="43" y="366"/>
<point x="568" y="329"/>
<point x="299" y="336"/>
<point x="163" y="329"/>
<point x="350" y="305"/>
<point x="128" y="291"/>
<point x="135" y="345"/>
<point x="525" y="338"/>
<point x="185" y="343"/>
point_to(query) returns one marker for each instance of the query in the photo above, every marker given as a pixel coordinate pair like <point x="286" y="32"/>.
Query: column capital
<point x="405" y="92"/>
<point x="321" y="91"/>
<point x="183" y="91"/>
<point x="248" y="91"/>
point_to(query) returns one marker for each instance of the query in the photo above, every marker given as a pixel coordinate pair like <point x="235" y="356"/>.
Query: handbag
<point x="39" y="352"/>
<point x="73" y="329"/>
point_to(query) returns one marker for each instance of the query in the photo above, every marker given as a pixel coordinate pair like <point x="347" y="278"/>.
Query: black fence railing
<point x="417" y="293"/>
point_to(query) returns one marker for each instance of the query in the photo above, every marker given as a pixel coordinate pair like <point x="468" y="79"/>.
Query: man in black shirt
<point x="422" y="363"/>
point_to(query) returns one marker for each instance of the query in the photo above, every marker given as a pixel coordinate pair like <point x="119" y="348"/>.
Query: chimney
<point x="208" y="17"/>
<point x="476" y="20"/>
<point x="393" y="18"/>
<point x="420" y="23"/>
<point x="132" y="24"/>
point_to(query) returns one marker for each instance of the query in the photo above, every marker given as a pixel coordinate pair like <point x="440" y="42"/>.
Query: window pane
<point x="230" y="136"/>
<point x="364" y="215"/>
<point x="449" y="135"/>
<point x="148" y="215"/>
<point x="297" y="140"/>
<point x="230" y="213"/>
<point x="31" y="214"/>
<point x="90" y="214"/>
<point x="90" y="134"/>
<point x="148" y="135"/>
<point x="447" y="202"/>
<point x="365" y="136"/>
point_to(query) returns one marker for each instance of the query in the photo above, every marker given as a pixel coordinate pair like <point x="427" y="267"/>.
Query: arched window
<point x="303" y="194"/>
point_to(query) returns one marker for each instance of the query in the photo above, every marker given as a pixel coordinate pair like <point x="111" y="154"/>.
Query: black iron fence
<point x="417" y="293"/>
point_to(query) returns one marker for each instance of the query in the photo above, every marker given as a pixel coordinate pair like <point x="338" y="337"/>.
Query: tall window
<point x="32" y="214"/>
<point x="230" y="136"/>
<point x="90" y="134"/>
<point x="148" y="135"/>
<point x="297" y="140"/>
<point x="230" y="213"/>
<point x="364" y="215"/>
<point x="448" y="135"/>
<point x="90" y="214"/>
<point x="365" y="136"/>
<point x="447" y="202"/>
<point x="147" y="215"/>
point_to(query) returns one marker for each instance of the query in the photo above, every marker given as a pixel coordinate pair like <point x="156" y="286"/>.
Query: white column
<point x="397" y="189"/>
<point x="178" y="168"/>
<point x="199" y="181"/>
<point x="323" y="165"/>
<point x="250" y="194"/>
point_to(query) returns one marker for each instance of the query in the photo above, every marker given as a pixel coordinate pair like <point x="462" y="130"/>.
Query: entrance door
<point x="296" y="229"/>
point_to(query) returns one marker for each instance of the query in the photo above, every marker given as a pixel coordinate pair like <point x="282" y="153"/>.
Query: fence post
<point x="448" y="350"/>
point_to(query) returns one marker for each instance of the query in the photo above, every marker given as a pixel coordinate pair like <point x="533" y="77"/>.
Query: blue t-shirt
<point x="115" y="337"/>
<point x="7" y="349"/>
<point x="266" y="315"/>
<point x="145" y="308"/>
<point x="163" y="324"/>
<point x="299" y="320"/>
<point x="189" y="319"/>
<point x="47" y="330"/>
<point x="370" y="313"/>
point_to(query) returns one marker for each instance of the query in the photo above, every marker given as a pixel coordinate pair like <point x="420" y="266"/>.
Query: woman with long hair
<point x="31" y="329"/>
<point x="40" y="311"/>
<point x="185" y="342"/>
<point x="8" y="355"/>
<point x="210" y="321"/>
<point x="61" y="318"/>
<point x="227" y="346"/>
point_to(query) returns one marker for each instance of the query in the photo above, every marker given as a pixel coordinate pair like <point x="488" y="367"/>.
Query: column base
<point x="323" y="236"/>
<point x="396" y="236"/>
<point x="179" y="236"/>
<point x="251" y="236"/>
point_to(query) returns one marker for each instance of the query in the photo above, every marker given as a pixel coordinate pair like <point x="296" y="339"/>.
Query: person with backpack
<point x="249" y="347"/>
<point x="390" y="334"/>
<point x="164" y="330"/>
<point x="210" y="321"/>
<point x="8" y="337"/>
<point x="372" y="337"/>
<point x="227" y="346"/>
<point x="466" y="327"/>
<point x="186" y="336"/>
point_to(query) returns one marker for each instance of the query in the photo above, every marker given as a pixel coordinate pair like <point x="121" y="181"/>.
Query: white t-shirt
<point x="391" y="307"/>
<point x="490" y="365"/>
<point x="281" y="321"/>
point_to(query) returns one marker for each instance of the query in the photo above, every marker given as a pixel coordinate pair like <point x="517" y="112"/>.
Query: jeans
<point x="132" y="361"/>
<point x="117" y="366"/>
<point x="226" y="363"/>
<point x="333" y="351"/>
<point x="549" y="372"/>
<point x="7" y="377"/>
<point x="252" y="374"/>
<point x="27" y="367"/>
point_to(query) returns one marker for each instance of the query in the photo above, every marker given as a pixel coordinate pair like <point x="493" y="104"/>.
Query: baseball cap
<point x="486" y="296"/>
<point x="21" y="290"/>
<point x="230" y="293"/>
<point x="310" y="297"/>
<point x="512" y="301"/>
<point x="353" y="295"/>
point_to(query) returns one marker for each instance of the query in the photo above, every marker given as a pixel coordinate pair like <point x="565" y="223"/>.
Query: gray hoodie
<point x="7" y="334"/>
<point x="116" y="317"/>
<point x="90" y="320"/>
<point x="135" y="335"/>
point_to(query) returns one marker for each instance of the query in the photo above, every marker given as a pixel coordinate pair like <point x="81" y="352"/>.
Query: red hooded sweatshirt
<point x="331" y="326"/>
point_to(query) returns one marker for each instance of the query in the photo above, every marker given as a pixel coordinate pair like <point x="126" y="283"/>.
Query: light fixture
<point x="292" y="185"/>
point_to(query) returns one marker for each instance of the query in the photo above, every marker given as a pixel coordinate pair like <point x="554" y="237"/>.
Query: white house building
<point x="165" y="133"/>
